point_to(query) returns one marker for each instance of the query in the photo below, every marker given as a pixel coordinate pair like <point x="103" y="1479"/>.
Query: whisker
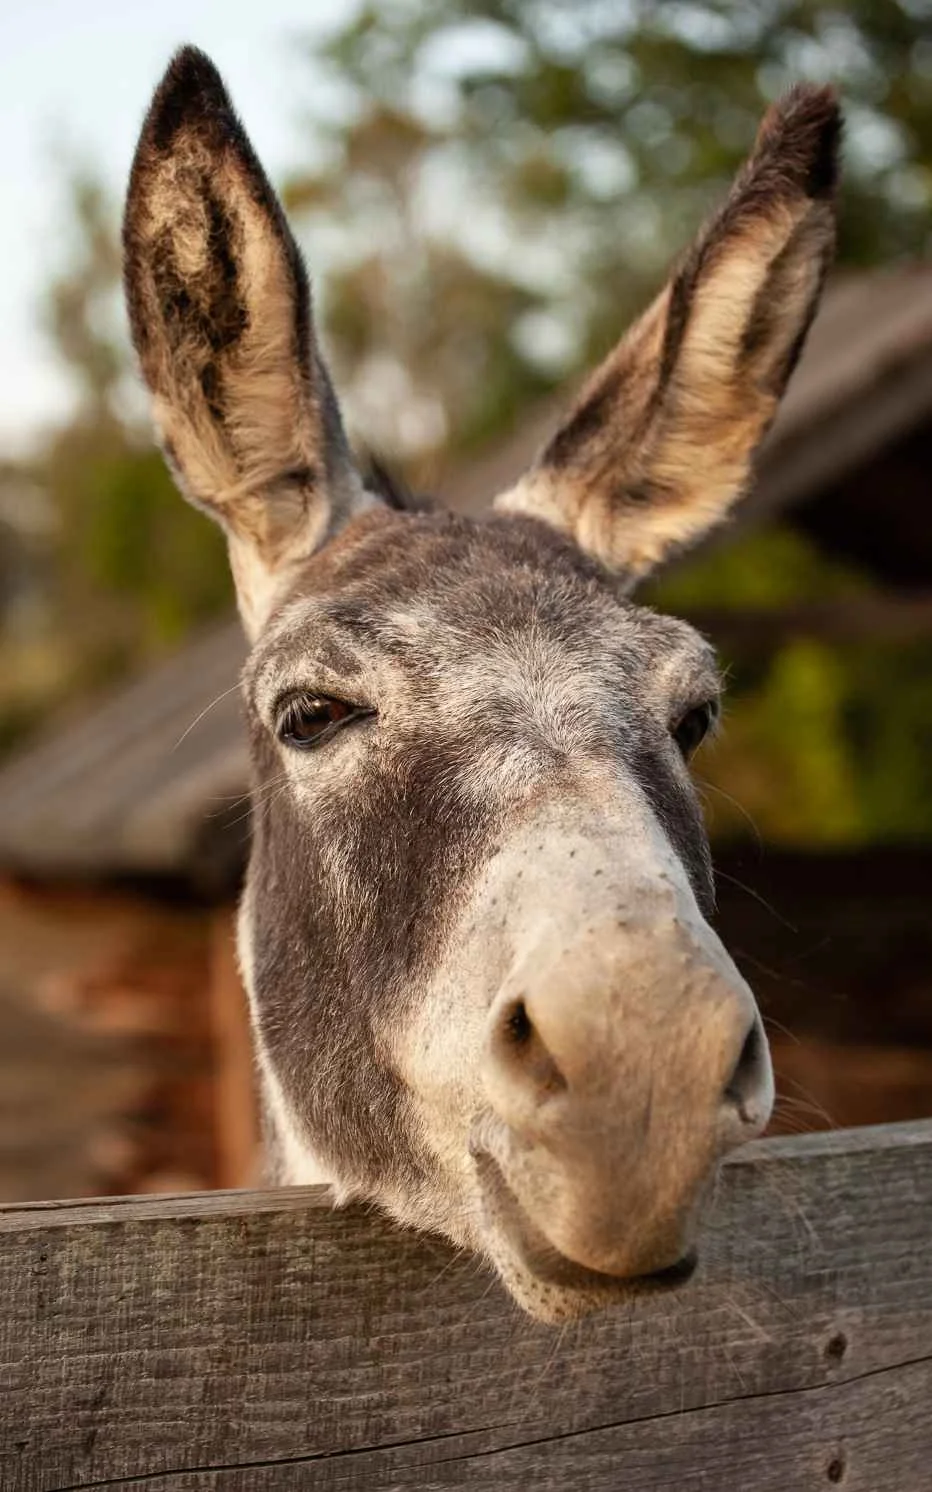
<point x="706" y="786"/>
<point x="742" y="886"/>
<point x="802" y="1105"/>
<point x="259" y="798"/>
<point x="229" y="803"/>
<point x="806" y="1096"/>
<point x="270" y="794"/>
<point x="206" y="711"/>
<point x="780" y="975"/>
<point x="771" y="1020"/>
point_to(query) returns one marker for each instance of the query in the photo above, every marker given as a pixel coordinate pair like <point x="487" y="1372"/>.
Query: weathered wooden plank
<point x="870" y="1434"/>
<point x="261" y="1340"/>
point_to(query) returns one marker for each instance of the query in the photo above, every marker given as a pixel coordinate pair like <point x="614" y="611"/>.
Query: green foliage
<point x="769" y="568"/>
<point x="143" y="567"/>
<point x="783" y="757"/>
<point x="825" y="745"/>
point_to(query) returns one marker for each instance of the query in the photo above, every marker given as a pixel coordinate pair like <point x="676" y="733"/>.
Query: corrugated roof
<point x="865" y="379"/>
<point x="128" y="788"/>
<point x="132" y="788"/>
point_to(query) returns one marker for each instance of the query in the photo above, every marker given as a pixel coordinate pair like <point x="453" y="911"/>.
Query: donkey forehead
<point x="436" y="601"/>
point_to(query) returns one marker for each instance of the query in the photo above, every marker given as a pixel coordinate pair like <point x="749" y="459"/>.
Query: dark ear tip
<point x="801" y="134"/>
<point x="192" y="70"/>
<point x="191" y="91"/>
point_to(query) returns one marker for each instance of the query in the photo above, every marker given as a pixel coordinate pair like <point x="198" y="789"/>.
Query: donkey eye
<point x="310" y="719"/>
<point x="692" y="728"/>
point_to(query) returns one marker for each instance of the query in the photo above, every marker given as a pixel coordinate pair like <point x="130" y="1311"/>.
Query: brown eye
<point x="692" y="728"/>
<point x="310" y="719"/>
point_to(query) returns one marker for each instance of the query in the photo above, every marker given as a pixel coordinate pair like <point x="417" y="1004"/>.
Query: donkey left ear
<point x="220" y="312"/>
<point x="659" y="446"/>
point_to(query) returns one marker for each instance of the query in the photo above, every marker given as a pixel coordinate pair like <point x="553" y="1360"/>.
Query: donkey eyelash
<point x="308" y="719"/>
<point x="294" y="696"/>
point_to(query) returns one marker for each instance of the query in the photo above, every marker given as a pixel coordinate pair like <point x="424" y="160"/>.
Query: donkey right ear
<point x="660" y="444"/>
<point x="219" y="307"/>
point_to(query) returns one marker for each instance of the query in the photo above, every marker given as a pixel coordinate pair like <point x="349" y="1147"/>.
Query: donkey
<point x="484" y="989"/>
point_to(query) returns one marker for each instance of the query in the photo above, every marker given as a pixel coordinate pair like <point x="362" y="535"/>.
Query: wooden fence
<point x="260" y="1340"/>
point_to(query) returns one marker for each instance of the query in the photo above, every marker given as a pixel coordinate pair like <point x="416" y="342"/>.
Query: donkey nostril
<point x="522" y="1053"/>
<point x="518" y="1024"/>
<point x="744" y="1085"/>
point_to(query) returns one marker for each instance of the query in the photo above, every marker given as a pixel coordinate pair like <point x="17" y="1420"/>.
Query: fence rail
<point x="260" y="1340"/>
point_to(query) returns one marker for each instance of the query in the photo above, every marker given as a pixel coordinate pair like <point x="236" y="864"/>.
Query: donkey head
<point x="484" y="990"/>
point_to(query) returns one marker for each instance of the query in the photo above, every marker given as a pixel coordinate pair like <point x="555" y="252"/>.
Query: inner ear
<point x="660" y="444"/>
<point x="220" y="311"/>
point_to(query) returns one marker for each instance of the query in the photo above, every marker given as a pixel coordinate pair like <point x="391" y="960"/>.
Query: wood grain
<point x="240" y="1341"/>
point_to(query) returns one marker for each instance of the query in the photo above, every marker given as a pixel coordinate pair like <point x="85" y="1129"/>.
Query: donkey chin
<point x="484" y="989"/>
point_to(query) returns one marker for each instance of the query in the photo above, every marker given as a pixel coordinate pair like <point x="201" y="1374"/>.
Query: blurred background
<point x="485" y="192"/>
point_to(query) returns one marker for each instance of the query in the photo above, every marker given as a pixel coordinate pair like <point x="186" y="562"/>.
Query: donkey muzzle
<point x="619" y="1067"/>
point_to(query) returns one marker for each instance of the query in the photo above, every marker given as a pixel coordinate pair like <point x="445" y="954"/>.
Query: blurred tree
<point x="137" y="566"/>
<point x="496" y="185"/>
<point x="126" y="568"/>
<point x="500" y="184"/>
<point x="79" y="314"/>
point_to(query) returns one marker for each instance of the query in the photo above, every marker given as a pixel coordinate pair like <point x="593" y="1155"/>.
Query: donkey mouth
<point x="512" y="1232"/>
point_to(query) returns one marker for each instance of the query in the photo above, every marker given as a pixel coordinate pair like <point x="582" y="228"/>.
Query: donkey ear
<point x="220" y="312"/>
<point x="659" y="445"/>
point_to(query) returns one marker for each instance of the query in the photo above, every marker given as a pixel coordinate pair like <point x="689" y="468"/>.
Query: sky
<point x="75" y="79"/>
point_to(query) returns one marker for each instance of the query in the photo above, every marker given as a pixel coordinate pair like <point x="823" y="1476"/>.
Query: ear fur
<point x="219" y="307"/>
<point x="659" y="445"/>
